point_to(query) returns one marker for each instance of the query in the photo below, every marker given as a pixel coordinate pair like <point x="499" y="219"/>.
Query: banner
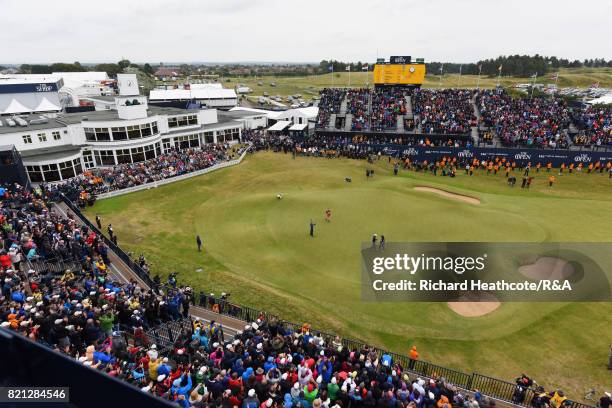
<point x="520" y="156"/>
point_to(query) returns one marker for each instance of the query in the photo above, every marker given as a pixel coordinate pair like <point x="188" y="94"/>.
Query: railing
<point x="167" y="333"/>
<point x="169" y="180"/>
<point x="115" y="248"/>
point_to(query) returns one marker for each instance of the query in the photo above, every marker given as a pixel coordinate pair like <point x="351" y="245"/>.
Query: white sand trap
<point x="547" y="267"/>
<point x="448" y="194"/>
<point x="466" y="306"/>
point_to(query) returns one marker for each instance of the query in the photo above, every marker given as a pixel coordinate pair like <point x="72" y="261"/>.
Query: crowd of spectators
<point x="330" y="101"/>
<point x="357" y="105"/>
<point x="529" y="122"/>
<point x="447" y="111"/>
<point x="542" y="122"/>
<point x="595" y="126"/>
<point x="387" y="105"/>
<point x="171" y="164"/>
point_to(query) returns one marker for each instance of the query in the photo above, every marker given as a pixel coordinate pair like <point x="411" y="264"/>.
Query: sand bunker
<point x="547" y="267"/>
<point x="448" y="194"/>
<point x="474" y="305"/>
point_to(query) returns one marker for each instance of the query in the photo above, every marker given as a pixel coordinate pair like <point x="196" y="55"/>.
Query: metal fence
<point x="166" y="334"/>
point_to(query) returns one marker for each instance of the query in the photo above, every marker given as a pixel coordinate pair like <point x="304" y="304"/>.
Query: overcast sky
<point x="300" y="31"/>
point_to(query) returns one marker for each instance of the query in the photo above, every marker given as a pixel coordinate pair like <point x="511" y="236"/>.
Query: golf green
<point x="257" y="248"/>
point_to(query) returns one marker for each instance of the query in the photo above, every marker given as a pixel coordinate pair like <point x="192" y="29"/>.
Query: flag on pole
<point x="534" y="75"/>
<point x="479" y="69"/>
<point x="500" y="67"/>
<point x="330" y="68"/>
<point x="348" y="68"/>
<point x="364" y="67"/>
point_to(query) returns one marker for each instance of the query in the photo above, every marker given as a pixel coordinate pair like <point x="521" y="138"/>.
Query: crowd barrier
<point x="488" y="386"/>
<point x="521" y="156"/>
<point x="169" y="180"/>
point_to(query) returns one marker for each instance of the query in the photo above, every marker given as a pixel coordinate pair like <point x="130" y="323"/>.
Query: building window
<point x="27" y="139"/>
<point x="209" y="137"/>
<point x="51" y="173"/>
<point x="90" y="134"/>
<point x="42" y="137"/>
<point x="56" y="135"/>
<point x="133" y="132"/>
<point x="123" y="156"/>
<point x="154" y="127"/>
<point x="105" y="157"/>
<point x="102" y="134"/>
<point x="88" y="159"/>
<point x="149" y="152"/>
<point x="35" y="174"/>
<point x="158" y="148"/>
<point x="145" y="129"/>
<point x="185" y="142"/>
<point x="66" y="169"/>
<point x="182" y="121"/>
<point x="119" y="133"/>
<point x="78" y="168"/>
<point x="138" y="154"/>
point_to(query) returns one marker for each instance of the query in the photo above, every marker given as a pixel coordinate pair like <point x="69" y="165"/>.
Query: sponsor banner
<point x="520" y="156"/>
<point x="46" y="86"/>
<point x="396" y="59"/>
<point x="486" y="272"/>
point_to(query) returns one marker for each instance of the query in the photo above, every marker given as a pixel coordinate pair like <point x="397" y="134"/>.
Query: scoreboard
<point x="399" y="74"/>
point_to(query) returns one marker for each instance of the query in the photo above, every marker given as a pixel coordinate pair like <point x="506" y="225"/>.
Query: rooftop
<point x="50" y="153"/>
<point x="63" y="119"/>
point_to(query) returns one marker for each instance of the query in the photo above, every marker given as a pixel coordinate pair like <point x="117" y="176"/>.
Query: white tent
<point x="46" y="105"/>
<point x="603" y="100"/>
<point x="15" y="107"/>
<point x="299" y="126"/>
<point x="280" y="125"/>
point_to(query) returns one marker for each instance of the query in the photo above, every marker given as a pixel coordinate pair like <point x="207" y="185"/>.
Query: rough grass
<point x="257" y="248"/>
<point x="309" y="86"/>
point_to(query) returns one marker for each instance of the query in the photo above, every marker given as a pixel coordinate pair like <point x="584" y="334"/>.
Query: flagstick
<point x="478" y="80"/>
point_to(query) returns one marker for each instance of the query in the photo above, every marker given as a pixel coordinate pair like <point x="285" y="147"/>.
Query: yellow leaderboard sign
<point x="399" y="74"/>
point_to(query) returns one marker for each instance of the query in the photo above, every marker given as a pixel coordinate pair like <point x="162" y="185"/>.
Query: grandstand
<point x="487" y="117"/>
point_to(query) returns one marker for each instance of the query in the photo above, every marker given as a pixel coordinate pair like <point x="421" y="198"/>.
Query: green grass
<point x="257" y="248"/>
<point x="309" y="86"/>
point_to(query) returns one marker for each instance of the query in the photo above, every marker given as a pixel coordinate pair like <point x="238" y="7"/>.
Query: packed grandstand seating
<point x="174" y="163"/>
<point x="444" y="111"/>
<point x="387" y="104"/>
<point x="543" y="122"/>
<point x="530" y="122"/>
<point x="357" y="105"/>
<point x="595" y="126"/>
<point x="331" y="99"/>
